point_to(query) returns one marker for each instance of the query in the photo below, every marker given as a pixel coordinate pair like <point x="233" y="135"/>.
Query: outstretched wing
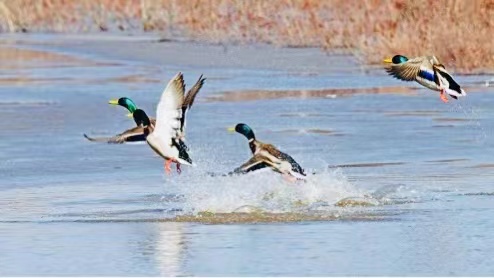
<point x="410" y="69"/>
<point x="254" y="163"/>
<point x="189" y="100"/>
<point x="169" y="111"/>
<point x="135" y="134"/>
<point x="191" y="94"/>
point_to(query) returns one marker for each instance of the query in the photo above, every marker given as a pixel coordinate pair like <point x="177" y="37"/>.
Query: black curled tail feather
<point x="295" y="166"/>
<point x="453" y="85"/>
<point x="182" y="150"/>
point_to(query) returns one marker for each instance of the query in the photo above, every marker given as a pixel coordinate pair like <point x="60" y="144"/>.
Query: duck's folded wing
<point x="295" y="166"/>
<point x="254" y="163"/>
<point x="410" y="69"/>
<point x="135" y="134"/>
<point x="169" y="111"/>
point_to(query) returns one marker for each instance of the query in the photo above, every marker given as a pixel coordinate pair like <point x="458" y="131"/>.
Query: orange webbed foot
<point x="168" y="169"/>
<point x="443" y="96"/>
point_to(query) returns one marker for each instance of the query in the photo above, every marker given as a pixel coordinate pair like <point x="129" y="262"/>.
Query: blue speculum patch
<point x="426" y="75"/>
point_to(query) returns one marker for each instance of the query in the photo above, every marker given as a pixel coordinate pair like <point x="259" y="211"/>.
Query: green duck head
<point x="125" y="102"/>
<point x="397" y="59"/>
<point x="245" y="130"/>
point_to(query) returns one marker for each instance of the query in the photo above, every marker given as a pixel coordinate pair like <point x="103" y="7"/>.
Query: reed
<point x="459" y="32"/>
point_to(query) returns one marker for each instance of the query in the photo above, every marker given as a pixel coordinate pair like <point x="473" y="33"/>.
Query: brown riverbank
<point x="458" y="32"/>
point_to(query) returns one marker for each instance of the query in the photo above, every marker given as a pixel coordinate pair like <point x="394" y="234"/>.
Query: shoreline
<point x="204" y="54"/>
<point x="393" y="27"/>
<point x="221" y="61"/>
<point x="313" y="60"/>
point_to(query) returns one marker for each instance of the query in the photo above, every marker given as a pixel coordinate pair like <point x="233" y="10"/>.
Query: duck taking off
<point x="131" y="135"/>
<point x="167" y="135"/>
<point x="428" y="72"/>
<point x="136" y="134"/>
<point x="266" y="155"/>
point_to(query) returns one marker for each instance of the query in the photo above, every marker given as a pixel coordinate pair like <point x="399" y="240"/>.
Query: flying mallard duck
<point x="136" y="134"/>
<point x="266" y="155"/>
<point x="166" y="136"/>
<point x="428" y="72"/>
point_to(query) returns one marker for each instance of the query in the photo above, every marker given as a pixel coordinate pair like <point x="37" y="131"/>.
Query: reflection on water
<point x="169" y="248"/>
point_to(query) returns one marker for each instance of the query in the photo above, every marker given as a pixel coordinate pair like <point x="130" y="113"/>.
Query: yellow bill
<point x="130" y="115"/>
<point x="388" y="60"/>
<point x="231" y="129"/>
<point x="113" y="102"/>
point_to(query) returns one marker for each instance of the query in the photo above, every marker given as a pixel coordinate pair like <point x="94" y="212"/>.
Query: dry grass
<point x="459" y="32"/>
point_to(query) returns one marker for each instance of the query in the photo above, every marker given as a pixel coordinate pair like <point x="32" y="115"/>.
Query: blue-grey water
<point x="422" y="169"/>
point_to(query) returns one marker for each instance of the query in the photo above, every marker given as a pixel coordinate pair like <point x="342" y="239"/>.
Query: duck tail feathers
<point x="185" y="162"/>
<point x="298" y="175"/>
<point x="456" y="93"/>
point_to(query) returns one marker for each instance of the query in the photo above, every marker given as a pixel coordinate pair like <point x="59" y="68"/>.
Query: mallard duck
<point x="136" y="134"/>
<point x="266" y="155"/>
<point x="166" y="136"/>
<point x="428" y="72"/>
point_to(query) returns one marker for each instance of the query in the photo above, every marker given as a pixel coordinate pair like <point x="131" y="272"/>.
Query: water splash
<point x="264" y="191"/>
<point x="474" y="124"/>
